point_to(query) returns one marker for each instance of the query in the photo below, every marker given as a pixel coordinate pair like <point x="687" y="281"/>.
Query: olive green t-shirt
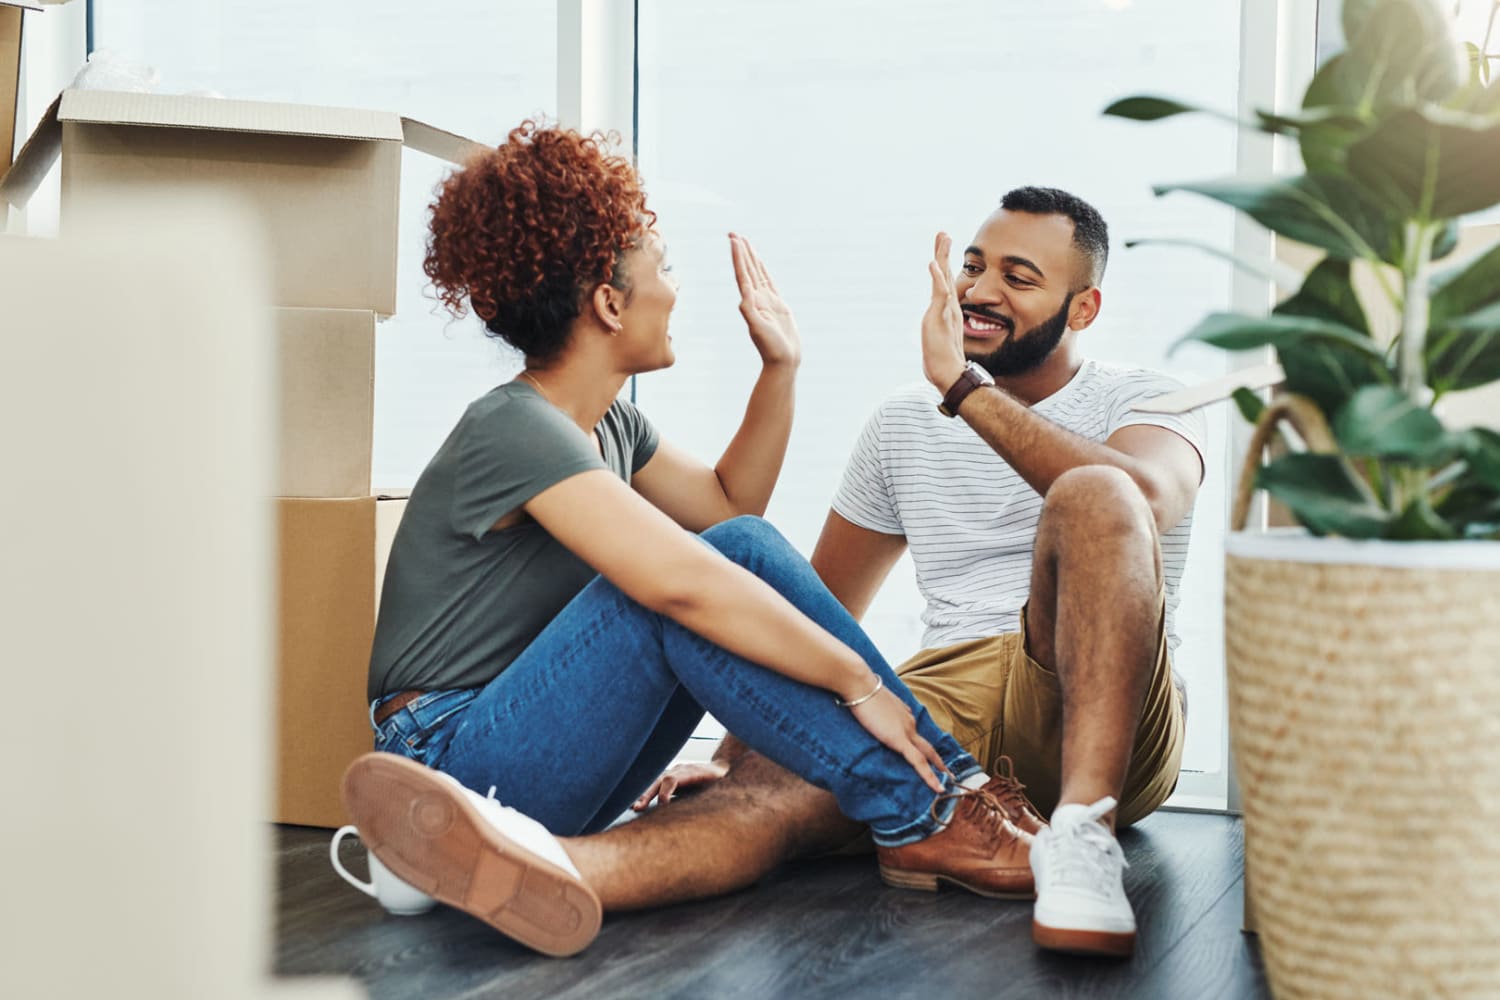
<point x="461" y="601"/>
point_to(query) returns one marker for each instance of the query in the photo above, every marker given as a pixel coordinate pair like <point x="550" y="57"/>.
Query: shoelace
<point x="989" y="814"/>
<point x="1085" y="854"/>
<point x="1011" y="793"/>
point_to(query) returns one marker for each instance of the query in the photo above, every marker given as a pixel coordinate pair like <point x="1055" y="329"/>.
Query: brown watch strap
<point x="967" y="383"/>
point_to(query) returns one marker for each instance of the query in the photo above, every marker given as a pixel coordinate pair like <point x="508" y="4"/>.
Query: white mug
<point x="396" y="896"/>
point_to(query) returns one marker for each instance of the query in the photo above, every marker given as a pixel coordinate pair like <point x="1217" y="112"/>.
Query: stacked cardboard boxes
<point x="324" y="183"/>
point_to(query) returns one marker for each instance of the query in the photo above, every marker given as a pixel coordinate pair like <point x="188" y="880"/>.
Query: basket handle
<point x="1305" y="417"/>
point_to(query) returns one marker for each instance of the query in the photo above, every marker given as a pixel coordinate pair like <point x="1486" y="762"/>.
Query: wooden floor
<point x="818" y="929"/>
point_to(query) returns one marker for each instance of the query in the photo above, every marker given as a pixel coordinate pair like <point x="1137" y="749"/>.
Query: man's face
<point x="1016" y="288"/>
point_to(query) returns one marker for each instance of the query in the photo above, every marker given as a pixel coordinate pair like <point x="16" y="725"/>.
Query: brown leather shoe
<point x="980" y="849"/>
<point x="1011" y="794"/>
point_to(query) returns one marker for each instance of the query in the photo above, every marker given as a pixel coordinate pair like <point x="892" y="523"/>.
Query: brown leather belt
<point x="396" y="704"/>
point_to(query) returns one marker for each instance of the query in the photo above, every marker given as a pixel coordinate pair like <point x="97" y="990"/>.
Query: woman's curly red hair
<point x="525" y="229"/>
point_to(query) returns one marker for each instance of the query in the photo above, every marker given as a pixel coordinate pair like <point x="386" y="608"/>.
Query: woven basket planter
<point x="1364" y="702"/>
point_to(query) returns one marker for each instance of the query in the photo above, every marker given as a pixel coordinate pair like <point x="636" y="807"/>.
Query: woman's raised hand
<point x="887" y="718"/>
<point x="772" y="328"/>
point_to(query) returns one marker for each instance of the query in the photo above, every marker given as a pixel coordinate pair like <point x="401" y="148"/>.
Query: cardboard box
<point x="326" y="380"/>
<point x="10" y="79"/>
<point x="11" y="23"/>
<point x="331" y="562"/>
<point x="325" y="181"/>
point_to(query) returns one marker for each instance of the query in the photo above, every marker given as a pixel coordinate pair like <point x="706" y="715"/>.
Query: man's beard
<point x="1022" y="353"/>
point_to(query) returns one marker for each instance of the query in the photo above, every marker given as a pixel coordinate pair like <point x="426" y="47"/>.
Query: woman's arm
<point x="691" y="493"/>
<point x="641" y="551"/>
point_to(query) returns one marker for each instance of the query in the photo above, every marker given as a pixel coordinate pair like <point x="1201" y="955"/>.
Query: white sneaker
<point x="1080" y="890"/>
<point x="397" y="898"/>
<point x="472" y="853"/>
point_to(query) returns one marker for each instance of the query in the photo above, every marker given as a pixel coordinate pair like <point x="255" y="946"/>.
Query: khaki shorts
<point x="998" y="701"/>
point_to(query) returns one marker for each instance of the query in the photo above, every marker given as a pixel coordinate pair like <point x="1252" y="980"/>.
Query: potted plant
<point x="1363" y="651"/>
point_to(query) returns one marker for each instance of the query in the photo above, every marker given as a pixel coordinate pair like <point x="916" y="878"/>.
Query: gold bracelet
<point x="841" y="703"/>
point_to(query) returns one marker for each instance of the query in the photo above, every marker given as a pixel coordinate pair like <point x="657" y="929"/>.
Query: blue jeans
<point x="599" y="704"/>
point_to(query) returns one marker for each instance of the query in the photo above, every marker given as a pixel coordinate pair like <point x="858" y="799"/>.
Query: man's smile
<point x="980" y="324"/>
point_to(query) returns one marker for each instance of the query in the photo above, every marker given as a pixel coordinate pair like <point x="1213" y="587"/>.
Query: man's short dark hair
<point x="1090" y="234"/>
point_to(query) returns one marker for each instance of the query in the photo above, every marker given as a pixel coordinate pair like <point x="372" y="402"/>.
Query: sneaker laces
<point x="1084" y="854"/>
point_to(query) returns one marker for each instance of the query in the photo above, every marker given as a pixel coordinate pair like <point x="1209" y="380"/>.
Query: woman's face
<point x="644" y="341"/>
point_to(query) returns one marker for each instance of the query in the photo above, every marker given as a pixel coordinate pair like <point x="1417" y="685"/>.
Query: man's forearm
<point x="750" y="466"/>
<point x="1038" y="449"/>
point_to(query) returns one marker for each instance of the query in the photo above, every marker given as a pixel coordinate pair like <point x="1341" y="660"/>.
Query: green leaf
<point x="1464" y="289"/>
<point x="1381" y="421"/>
<point x="1250" y="404"/>
<point x="1336" y="92"/>
<point x="1488" y="102"/>
<point x="1328" y="293"/>
<point x="1323" y="494"/>
<point x="1147" y="108"/>
<point x="1463" y="359"/>
<point x="1431" y="163"/>
<point x="1402" y="51"/>
<point x="1470" y="504"/>
<point x="1355" y="14"/>
<point x="1482" y="451"/>
<point x="1420" y="523"/>
<point x="1144" y="108"/>
<point x="1446" y="241"/>
<point x="1328" y="374"/>
<point x="1333" y="86"/>
<point x="1280" y="274"/>
<point x="1323" y="210"/>
<point x="1465" y="353"/>
<point x="1236" y="332"/>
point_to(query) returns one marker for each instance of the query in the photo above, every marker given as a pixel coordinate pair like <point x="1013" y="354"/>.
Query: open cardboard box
<point x="12" y="20"/>
<point x="332" y="555"/>
<point x="325" y="181"/>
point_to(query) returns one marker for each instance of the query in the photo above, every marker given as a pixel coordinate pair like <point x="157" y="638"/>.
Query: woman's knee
<point x="740" y="536"/>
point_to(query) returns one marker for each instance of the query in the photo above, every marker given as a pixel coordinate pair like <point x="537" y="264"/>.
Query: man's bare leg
<point x="1092" y="618"/>
<point x="724" y="838"/>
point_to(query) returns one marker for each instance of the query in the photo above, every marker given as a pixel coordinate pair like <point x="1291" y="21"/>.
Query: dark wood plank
<point x="1215" y="956"/>
<point x="823" y="928"/>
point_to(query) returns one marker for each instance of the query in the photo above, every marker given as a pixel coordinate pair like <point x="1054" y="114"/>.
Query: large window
<point x="477" y="69"/>
<point x="841" y="136"/>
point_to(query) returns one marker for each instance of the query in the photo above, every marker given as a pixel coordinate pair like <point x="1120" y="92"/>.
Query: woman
<point x="550" y="631"/>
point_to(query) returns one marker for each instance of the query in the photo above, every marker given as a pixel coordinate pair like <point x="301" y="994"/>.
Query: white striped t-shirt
<point x="969" y="518"/>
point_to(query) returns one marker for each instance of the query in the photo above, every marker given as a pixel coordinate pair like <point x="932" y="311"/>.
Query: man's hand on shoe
<point x="680" y="777"/>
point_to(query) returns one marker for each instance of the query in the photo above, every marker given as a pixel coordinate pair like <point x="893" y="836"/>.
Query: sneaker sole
<point x="898" y="878"/>
<point x="428" y="834"/>
<point x="1082" y="942"/>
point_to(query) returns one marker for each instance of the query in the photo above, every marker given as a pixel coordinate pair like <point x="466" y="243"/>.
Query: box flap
<point x="33" y="4"/>
<point x="1194" y="396"/>
<point x="11" y="21"/>
<point x="33" y="161"/>
<point x="107" y="107"/>
<point x="439" y="143"/>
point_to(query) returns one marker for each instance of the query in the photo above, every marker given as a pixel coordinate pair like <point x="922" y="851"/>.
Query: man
<point x="1049" y="524"/>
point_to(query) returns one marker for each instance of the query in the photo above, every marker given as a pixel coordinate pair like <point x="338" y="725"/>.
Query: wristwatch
<point x="972" y="378"/>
